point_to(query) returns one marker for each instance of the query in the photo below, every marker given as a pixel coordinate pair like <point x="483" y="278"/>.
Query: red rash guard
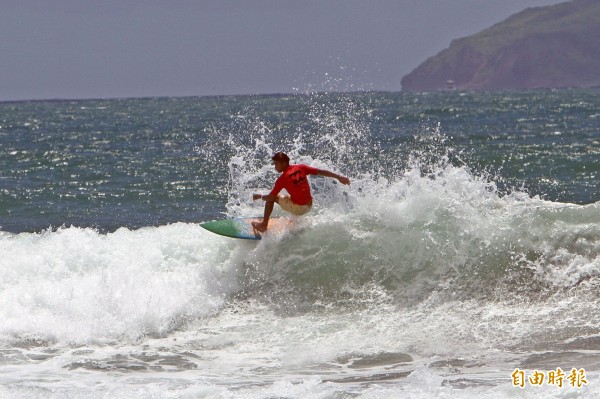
<point x="294" y="180"/>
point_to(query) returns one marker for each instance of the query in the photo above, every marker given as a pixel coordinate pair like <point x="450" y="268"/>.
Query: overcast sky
<point x="136" y="48"/>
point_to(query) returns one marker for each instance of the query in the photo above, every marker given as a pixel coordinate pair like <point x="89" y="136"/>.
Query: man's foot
<point x="259" y="226"/>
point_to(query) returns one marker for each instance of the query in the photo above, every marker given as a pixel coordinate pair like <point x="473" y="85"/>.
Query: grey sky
<point x="137" y="48"/>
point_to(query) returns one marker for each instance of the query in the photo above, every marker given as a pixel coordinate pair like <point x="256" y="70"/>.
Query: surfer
<point x="294" y="178"/>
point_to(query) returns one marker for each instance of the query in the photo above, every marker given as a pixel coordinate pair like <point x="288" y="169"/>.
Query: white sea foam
<point x="78" y="286"/>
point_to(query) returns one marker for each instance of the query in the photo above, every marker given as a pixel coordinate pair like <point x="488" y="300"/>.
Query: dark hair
<point x="281" y="157"/>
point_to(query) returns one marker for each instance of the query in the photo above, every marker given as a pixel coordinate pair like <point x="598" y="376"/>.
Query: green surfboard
<point x="236" y="228"/>
<point x="242" y="227"/>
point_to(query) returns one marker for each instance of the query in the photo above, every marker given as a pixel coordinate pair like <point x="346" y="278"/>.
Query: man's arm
<point x="266" y="198"/>
<point x="272" y="196"/>
<point x="341" y="179"/>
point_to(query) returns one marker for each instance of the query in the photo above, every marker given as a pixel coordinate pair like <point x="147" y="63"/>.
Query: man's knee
<point x="278" y="197"/>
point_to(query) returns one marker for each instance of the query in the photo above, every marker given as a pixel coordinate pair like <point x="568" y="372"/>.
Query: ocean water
<point x="462" y="262"/>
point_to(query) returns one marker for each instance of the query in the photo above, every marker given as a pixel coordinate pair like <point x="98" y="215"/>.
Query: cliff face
<point x="554" y="46"/>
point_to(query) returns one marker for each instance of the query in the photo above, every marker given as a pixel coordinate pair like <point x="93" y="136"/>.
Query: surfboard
<point x="242" y="227"/>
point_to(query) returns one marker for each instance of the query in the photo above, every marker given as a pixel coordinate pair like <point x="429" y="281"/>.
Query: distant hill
<point x="552" y="47"/>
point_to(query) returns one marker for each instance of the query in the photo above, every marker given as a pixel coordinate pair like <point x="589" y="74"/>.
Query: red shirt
<point x="294" y="180"/>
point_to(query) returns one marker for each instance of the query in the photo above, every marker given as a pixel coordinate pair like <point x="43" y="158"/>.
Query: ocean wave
<point x="447" y="230"/>
<point x="80" y="286"/>
<point x="449" y="235"/>
<point x="442" y="232"/>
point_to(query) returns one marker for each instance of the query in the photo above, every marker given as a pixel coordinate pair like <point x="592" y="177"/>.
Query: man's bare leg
<point x="262" y="226"/>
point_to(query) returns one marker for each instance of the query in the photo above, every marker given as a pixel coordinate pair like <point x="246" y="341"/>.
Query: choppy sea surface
<point x="462" y="262"/>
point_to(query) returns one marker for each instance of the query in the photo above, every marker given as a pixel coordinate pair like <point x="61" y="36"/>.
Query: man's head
<point x="281" y="161"/>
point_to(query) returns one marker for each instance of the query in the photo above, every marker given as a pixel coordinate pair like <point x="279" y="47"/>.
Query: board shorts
<point x="288" y="205"/>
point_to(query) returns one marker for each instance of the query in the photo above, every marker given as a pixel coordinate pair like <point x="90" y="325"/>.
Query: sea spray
<point x="430" y="223"/>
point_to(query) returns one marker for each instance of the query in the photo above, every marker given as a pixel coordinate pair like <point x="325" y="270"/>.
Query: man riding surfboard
<point x="294" y="178"/>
